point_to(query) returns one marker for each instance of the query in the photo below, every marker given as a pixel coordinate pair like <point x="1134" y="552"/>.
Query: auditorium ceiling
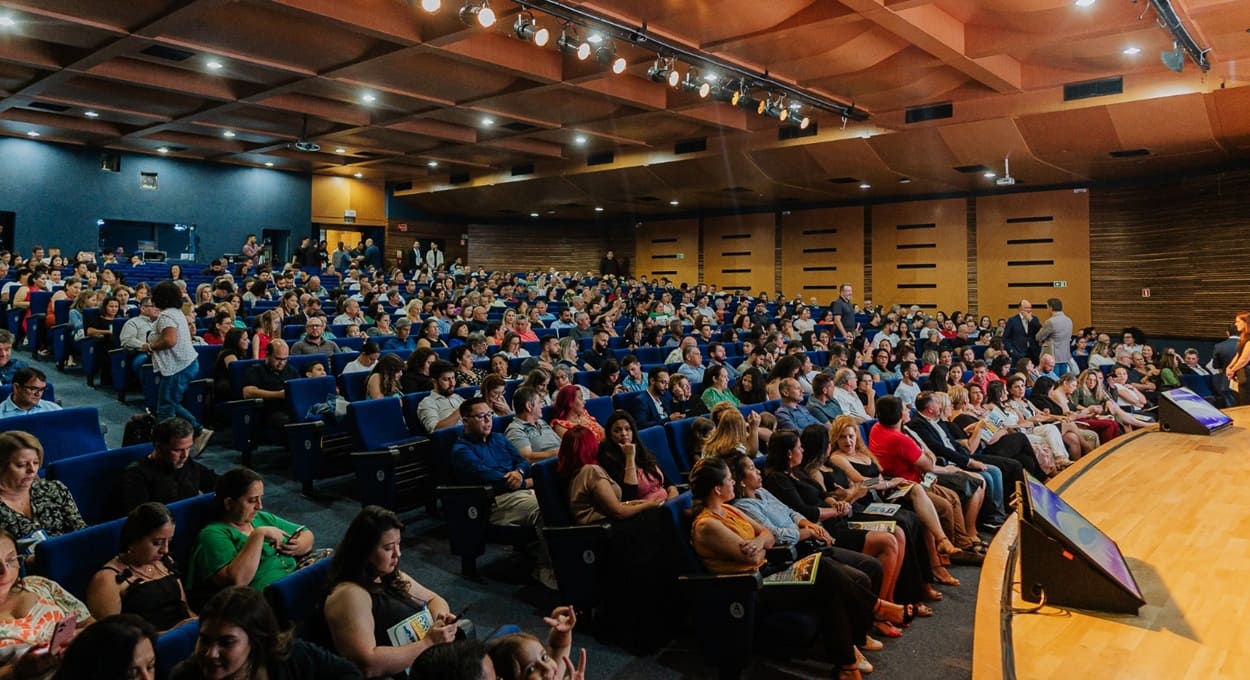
<point x="477" y="122"/>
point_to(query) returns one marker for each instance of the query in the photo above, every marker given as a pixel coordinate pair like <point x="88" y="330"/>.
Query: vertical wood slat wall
<point x="920" y="254"/>
<point x="527" y="247"/>
<point x="739" y="251"/>
<point x="1027" y="242"/>
<point x="821" y="250"/>
<point x="413" y="230"/>
<point x="669" y="248"/>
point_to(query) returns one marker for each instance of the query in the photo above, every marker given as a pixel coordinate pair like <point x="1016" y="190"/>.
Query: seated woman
<point x="716" y="388"/>
<point x="142" y="578"/>
<point x="733" y="434"/>
<point x="880" y="368"/>
<point x="385" y="380"/>
<point x="593" y="495"/>
<point x="727" y="541"/>
<point x="499" y="367"/>
<point x="1062" y="401"/>
<point x="240" y="638"/>
<point x="244" y="546"/>
<point x="1169" y="376"/>
<point x="1047" y="408"/>
<point x="628" y="462"/>
<point x="981" y="438"/>
<point x="236" y="345"/>
<point x="607" y="380"/>
<point x="521" y="656"/>
<point x="492" y="390"/>
<point x="1091" y="395"/>
<point x="466" y="374"/>
<point x="29" y="503"/>
<point x="30" y="609"/>
<point x="1044" y="425"/>
<point x="750" y="387"/>
<point x="539" y="380"/>
<point x="368" y="594"/>
<point x="1001" y="416"/>
<point x="416" y="377"/>
<point x="120" y="647"/>
<point x="570" y="411"/>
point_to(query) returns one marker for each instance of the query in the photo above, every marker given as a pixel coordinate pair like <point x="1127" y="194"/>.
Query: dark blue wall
<point x="58" y="193"/>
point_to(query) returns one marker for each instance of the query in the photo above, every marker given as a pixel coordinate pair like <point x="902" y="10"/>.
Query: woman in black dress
<point x="142" y="579"/>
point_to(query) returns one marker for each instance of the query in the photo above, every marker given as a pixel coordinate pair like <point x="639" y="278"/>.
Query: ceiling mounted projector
<point x="1006" y="180"/>
<point x="303" y="143"/>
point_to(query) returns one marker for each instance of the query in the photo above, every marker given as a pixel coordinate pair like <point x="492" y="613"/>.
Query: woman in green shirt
<point x="245" y="546"/>
<point x="716" y="387"/>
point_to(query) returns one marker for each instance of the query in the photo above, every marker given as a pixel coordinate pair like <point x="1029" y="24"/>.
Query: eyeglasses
<point x="480" y="416"/>
<point x="34" y="389"/>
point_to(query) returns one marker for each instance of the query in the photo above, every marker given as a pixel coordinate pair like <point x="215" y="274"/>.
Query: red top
<point x="896" y="452"/>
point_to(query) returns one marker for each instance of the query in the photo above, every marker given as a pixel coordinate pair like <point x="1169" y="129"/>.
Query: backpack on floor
<point x="139" y="429"/>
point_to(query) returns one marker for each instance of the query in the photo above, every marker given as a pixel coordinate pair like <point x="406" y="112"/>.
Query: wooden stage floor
<point x="1178" y="508"/>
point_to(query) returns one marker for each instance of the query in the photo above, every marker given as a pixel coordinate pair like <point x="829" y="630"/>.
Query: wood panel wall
<point x="529" y="247"/>
<point x="331" y="196"/>
<point x="920" y="254"/>
<point x="1187" y="240"/>
<point x="669" y="248"/>
<point x="739" y="251"/>
<point x="447" y="234"/>
<point x="1025" y="244"/>
<point x="821" y="250"/>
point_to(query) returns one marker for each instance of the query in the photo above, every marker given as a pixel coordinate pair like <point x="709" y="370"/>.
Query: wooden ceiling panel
<point x="711" y="22"/>
<point x="95" y="91"/>
<point x="918" y="154"/>
<point x="622" y="186"/>
<point x="1166" y="125"/>
<point x="124" y="16"/>
<point x="559" y="106"/>
<point x="432" y="75"/>
<point x="1065" y="136"/>
<point x="984" y="141"/>
<point x="13" y="76"/>
<point x="379" y="140"/>
<point x="1230" y="114"/>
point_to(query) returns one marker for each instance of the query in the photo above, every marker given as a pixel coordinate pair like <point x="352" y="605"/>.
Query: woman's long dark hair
<point x="246" y="608"/>
<point x="350" y="563"/>
<point x="707" y="474"/>
<point x="106" y="649"/>
<point x="815" y="439"/>
<point x="608" y="449"/>
<point x="995" y="392"/>
<point x="233" y="484"/>
<point x="779" y="447"/>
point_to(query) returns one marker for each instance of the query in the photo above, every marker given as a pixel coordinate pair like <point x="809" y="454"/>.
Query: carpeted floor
<point x="939" y="648"/>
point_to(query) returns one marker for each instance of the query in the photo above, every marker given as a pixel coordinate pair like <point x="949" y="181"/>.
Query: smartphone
<point x="62" y="635"/>
<point x="928" y="480"/>
<point x="297" y="532"/>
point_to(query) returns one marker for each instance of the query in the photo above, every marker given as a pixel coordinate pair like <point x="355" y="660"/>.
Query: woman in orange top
<point x="570" y="410"/>
<point x="729" y="542"/>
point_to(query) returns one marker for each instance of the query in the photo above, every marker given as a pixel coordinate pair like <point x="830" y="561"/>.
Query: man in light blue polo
<point x="27" y="398"/>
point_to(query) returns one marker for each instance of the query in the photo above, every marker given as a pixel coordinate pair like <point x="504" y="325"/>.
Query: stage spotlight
<point x="695" y="83"/>
<point x="477" y="12"/>
<point x="606" y="56"/>
<point x="527" y="29"/>
<point x="1174" y="58"/>
<point x="664" y="71"/>
<point x="431" y="6"/>
<point x="573" y="43"/>
<point x="773" y="107"/>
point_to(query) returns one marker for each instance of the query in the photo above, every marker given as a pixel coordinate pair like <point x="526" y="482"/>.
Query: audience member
<point x="528" y="432"/>
<point x="167" y="474"/>
<point x="29" y="384"/>
<point x="267" y="381"/>
<point x="32" y="508"/>
<point x="119" y="647"/>
<point x="175" y="359"/>
<point x="441" y="408"/>
<point x="9" y="366"/>
<point x="314" y="341"/>
<point x="142" y="578"/>
<point x="30" y="609"/>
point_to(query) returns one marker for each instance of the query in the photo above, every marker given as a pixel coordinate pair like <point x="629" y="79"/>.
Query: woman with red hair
<point x="569" y="411"/>
<point x="593" y="496"/>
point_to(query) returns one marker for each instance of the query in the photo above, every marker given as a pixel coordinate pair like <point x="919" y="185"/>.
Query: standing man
<point x="1055" y="336"/>
<point x="1020" y="336"/>
<point x="373" y="255"/>
<point x="844" y="312"/>
<point x="434" y="257"/>
<point x="609" y="266"/>
<point x="413" y="259"/>
<point x="175" y="360"/>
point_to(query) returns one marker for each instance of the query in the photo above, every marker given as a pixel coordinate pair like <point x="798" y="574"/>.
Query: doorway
<point x="275" y="245"/>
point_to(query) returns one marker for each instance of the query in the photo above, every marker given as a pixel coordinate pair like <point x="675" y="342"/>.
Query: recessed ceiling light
<point x="91" y="114"/>
<point x="432" y="164"/>
<point x="674" y="202"/>
<point x="32" y="133"/>
<point x="865" y="185"/>
<point x="214" y="65"/>
<point x="368" y="98"/>
<point x="990" y="174"/>
<point x="1084" y="3"/>
<point x="487" y="121"/>
<point x="228" y="133"/>
<point x="268" y="164"/>
<point x="431" y="6"/>
<point x="580" y="139"/>
<point x="340" y="150"/>
<point x="904" y="180"/>
<point x="533" y="214"/>
<point x="7" y="21"/>
<point x="1130" y="51"/>
<point x="358" y="175"/>
<point x="163" y="149"/>
<point x="598" y="208"/>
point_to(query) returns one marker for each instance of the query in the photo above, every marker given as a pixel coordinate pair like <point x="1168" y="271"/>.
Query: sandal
<point x="923" y="610"/>
<point x="849" y="673"/>
<point x="905" y="613"/>
<point x="945" y="547"/>
<point x="945" y="578"/>
<point x="861" y="664"/>
<point x="887" y="629"/>
<point x="932" y="594"/>
<point x="872" y="644"/>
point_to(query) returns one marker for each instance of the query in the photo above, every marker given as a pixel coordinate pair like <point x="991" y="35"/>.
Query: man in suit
<point x="1055" y="336"/>
<point x="413" y="259"/>
<point x="655" y="406"/>
<point x="1020" y="336"/>
<point x="1223" y="354"/>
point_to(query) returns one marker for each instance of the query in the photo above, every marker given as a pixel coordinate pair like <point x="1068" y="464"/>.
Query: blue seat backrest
<point x="467" y="391"/>
<point x="175" y="645"/>
<point x="303" y="393"/>
<point x="1198" y="384"/>
<point x="772" y="406"/>
<point x="377" y="423"/>
<point x="552" y="493"/>
<point x="678" y="511"/>
<point x="301" y="361"/>
<point x="353" y="344"/>
<point x="650" y="355"/>
<point x="443" y="440"/>
<point x="747" y="409"/>
<point x="237" y="370"/>
<point x="678" y="442"/>
<point x="63" y="434"/>
<point x="340" y="360"/>
<point x="878" y="388"/>
<point x="72" y="559"/>
<point x="92" y="478"/>
<point x="207" y="357"/>
<point x="354" y="385"/>
<point x="625" y="401"/>
<point x="584" y="377"/>
<point x="866" y="427"/>
<point x="600" y="408"/>
<point x="190" y="515"/>
<point x="655" y="439"/>
<point x="411" y="401"/>
<point x="295" y="596"/>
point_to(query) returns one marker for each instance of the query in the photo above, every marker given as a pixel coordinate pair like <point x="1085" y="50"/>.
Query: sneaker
<point x="201" y="442"/>
<point x="547" y="577"/>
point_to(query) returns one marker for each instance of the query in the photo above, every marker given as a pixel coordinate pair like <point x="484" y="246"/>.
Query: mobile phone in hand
<point x="62" y="635"/>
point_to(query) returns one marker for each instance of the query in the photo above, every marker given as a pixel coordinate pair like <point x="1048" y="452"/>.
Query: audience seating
<point x="91" y="478"/>
<point x="64" y="434"/>
<point x="296" y="596"/>
<point x="319" y="444"/>
<point x="394" y="468"/>
<point x="678" y="440"/>
<point x="578" y="553"/>
<point x="175" y="645"/>
<point x="72" y="559"/>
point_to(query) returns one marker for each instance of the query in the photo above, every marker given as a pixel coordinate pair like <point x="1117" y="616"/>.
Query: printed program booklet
<point x="411" y="629"/>
<point x="801" y="572"/>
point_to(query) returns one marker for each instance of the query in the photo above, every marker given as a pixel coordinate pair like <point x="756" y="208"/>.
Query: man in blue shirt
<point x="480" y="456"/>
<point x="821" y="404"/>
<point x="791" y="414"/>
<point x="8" y="365"/>
<point x="27" y="398"/>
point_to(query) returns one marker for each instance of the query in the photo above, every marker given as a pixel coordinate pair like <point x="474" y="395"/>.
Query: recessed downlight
<point x="91" y="114"/>
<point x="1084" y="3"/>
<point x="487" y="121"/>
<point x="432" y="164"/>
<point x="214" y="65"/>
<point x="6" y="22"/>
<point x="368" y="98"/>
<point x="1132" y="50"/>
<point x="580" y="139"/>
<point x="674" y="202"/>
<point x="268" y="164"/>
<point x="865" y="185"/>
<point x="32" y="133"/>
<point x="358" y="175"/>
<point x="340" y="149"/>
<point x="228" y="133"/>
<point x="598" y="208"/>
<point x="162" y="149"/>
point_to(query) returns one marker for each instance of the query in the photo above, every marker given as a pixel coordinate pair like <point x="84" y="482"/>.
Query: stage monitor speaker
<point x="1183" y="411"/>
<point x="1068" y="562"/>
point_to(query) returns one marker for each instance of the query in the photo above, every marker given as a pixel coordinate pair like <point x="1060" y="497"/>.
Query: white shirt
<point x="850" y="404"/>
<point x="174" y="360"/>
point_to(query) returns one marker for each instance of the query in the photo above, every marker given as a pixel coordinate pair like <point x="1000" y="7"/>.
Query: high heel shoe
<point x="861" y="664"/>
<point x="887" y="629"/>
<point x="945" y="547"/>
<point x="945" y="578"/>
<point x="872" y="644"/>
<point x="903" y="615"/>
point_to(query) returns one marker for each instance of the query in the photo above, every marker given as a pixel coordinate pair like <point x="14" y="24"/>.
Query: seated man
<point x="134" y="335"/>
<point x="268" y="381"/>
<point x="8" y="365"/>
<point x="791" y="414"/>
<point x="593" y="358"/>
<point x="684" y="404"/>
<point x="845" y="381"/>
<point x="909" y="388"/>
<point x="441" y="407"/>
<point x="655" y="406"/>
<point x="532" y="436"/>
<point x="547" y="358"/>
<point x="314" y="341"/>
<point x="821" y="404"/>
<point x="403" y="337"/>
<point x="692" y="364"/>
<point x="167" y="474"/>
<point x="27" y="398"/>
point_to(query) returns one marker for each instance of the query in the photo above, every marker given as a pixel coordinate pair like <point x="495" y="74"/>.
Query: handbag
<point x="960" y="483"/>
